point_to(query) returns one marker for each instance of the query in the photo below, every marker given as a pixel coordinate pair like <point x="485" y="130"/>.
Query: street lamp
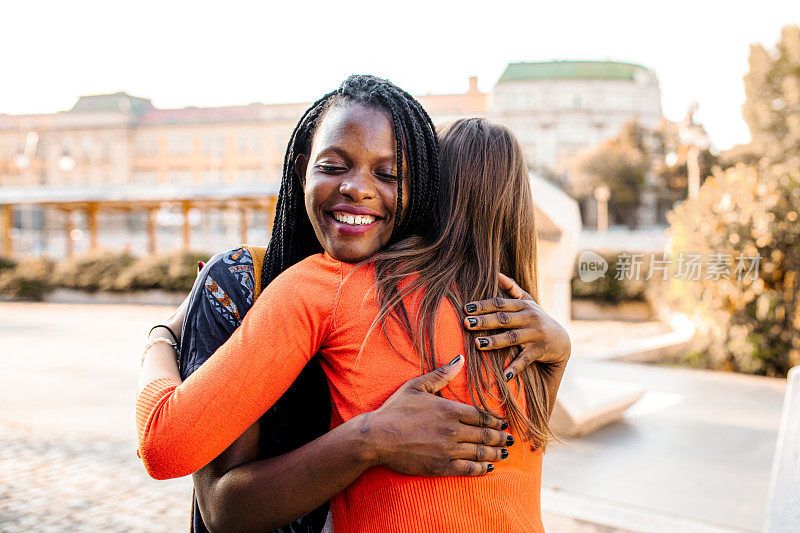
<point x="693" y="135"/>
<point x="65" y="162"/>
<point x="602" y="195"/>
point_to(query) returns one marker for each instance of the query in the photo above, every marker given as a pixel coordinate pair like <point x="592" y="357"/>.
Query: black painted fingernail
<point x="503" y="453"/>
<point x="454" y="361"/>
<point x="504" y="425"/>
<point x="509" y="441"/>
<point x="471" y="308"/>
<point x="482" y="342"/>
<point x="472" y="322"/>
<point x="490" y="467"/>
<point x="509" y="376"/>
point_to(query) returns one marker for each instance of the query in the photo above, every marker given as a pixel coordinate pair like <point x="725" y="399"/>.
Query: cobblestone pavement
<point x="67" y="439"/>
<point x="56" y="481"/>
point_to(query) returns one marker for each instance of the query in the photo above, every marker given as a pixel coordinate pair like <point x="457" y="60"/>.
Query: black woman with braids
<point x="369" y="273"/>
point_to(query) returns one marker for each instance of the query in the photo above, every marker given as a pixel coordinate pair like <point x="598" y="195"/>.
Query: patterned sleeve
<point x="220" y="299"/>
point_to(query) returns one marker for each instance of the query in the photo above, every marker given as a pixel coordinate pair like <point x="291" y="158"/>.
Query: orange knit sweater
<point x="313" y="308"/>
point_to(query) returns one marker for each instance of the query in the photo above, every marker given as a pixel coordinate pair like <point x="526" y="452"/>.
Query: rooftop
<point x="604" y="70"/>
<point x="111" y="103"/>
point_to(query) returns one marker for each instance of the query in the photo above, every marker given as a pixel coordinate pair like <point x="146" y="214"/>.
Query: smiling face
<point x="350" y="181"/>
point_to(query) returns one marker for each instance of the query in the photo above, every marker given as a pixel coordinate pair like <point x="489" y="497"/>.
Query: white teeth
<point x="354" y="220"/>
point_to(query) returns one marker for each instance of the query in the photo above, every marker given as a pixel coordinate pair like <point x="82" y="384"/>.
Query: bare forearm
<point x="267" y="494"/>
<point x="553" y="373"/>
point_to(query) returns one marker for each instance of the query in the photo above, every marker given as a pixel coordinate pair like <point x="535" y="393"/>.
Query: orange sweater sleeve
<point x="184" y="426"/>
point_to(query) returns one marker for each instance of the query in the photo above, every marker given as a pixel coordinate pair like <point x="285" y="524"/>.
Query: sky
<point x="213" y="53"/>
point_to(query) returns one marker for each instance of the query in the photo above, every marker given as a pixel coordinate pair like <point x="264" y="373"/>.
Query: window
<point x="180" y="177"/>
<point x="146" y="146"/>
<point x="248" y="176"/>
<point x="248" y="143"/>
<point x="214" y="145"/>
<point x="179" y="145"/>
<point x="87" y="145"/>
<point x="212" y="177"/>
<point x="144" y="179"/>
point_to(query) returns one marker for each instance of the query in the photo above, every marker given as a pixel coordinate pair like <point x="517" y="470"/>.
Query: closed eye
<point x="386" y="177"/>
<point x="331" y="169"/>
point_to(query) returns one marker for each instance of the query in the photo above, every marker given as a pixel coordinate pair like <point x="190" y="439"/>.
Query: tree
<point x="620" y="163"/>
<point x="751" y="210"/>
<point x="772" y="105"/>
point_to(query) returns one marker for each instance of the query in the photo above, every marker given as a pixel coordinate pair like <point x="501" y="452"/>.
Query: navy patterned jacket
<point x="220" y="299"/>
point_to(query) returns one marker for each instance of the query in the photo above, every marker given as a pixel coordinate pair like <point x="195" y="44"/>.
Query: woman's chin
<point x="352" y="254"/>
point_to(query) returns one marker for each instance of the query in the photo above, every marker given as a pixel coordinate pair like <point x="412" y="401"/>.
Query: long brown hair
<point x="485" y="226"/>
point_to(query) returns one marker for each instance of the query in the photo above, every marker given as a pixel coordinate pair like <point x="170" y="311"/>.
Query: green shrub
<point x="610" y="289"/>
<point x="30" y="279"/>
<point x="90" y="273"/>
<point x="749" y="324"/>
<point x="172" y="272"/>
<point x="6" y="263"/>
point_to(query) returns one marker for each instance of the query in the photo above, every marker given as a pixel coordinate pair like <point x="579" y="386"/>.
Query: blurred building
<point x="115" y="171"/>
<point x="559" y="108"/>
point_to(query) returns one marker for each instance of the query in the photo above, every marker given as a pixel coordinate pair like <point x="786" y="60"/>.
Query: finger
<point x="525" y="359"/>
<point x="502" y="320"/>
<point x="497" y="303"/>
<point x="512" y="337"/>
<point x="484" y="436"/>
<point x="463" y="467"/>
<point x="472" y="416"/>
<point x="511" y="287"/>
<point x="479" y="453"/>
<point x="436" y="380"/>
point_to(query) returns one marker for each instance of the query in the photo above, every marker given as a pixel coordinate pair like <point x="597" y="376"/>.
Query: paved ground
<point x="67" y="437"/>
<point x="698" y="446"/>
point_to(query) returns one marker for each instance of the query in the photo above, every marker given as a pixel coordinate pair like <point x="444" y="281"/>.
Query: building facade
<point x="115" y="171"/>
<point x="559" y="108"/>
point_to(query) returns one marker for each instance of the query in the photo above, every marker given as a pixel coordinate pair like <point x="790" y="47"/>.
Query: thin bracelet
<point x="156" y="341"/>
<point x="175" y="337"/>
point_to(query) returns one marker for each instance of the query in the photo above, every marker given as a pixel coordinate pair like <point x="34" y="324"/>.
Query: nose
<point x="357" y="185"/>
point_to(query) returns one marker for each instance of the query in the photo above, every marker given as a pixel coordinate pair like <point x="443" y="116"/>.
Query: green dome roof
<point x="585" y="70"/>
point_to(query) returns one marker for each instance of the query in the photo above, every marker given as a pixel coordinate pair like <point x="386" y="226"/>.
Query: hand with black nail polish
<point x="540" y="338"/>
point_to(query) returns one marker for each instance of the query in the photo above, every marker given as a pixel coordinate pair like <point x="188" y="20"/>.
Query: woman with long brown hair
<point x="489" y="229"/>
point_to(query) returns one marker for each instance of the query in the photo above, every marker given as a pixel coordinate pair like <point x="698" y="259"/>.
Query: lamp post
<point x="692" y="134"/>
<point x="602" y="195"/>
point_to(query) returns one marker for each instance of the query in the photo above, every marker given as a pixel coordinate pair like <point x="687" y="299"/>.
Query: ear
<point x="300" y="167"/>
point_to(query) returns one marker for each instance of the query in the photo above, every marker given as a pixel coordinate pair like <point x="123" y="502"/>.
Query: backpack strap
<point x="257" y="253"/>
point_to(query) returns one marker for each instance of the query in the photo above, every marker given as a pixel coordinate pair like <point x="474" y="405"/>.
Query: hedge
<point x="33" y="279"/>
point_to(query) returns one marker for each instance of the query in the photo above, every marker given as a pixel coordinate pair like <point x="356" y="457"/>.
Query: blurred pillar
<point x="187" y="229"/>
<point x="91" y="217"/>
<point x="243" y="223"/>
<point x="5" y="226"/>
<point x="68" y="227"/>
<point x="602" y="194"/>
<point x="152" y="229"/>
<point x="693" y="169"/>
<point x="272" y="202"/>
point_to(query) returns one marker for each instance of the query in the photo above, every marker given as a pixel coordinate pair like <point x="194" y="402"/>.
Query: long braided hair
<point x="293" y="237"/>
<point x="303" y="412"/>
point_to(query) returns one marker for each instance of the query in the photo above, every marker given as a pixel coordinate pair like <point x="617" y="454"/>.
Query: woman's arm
<point x="541" y="339"/>
<point x="182" y="427"/>
<point x="414" y="432"/>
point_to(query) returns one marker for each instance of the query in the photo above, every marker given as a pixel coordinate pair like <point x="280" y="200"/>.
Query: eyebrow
<point x="343" y="153"/>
